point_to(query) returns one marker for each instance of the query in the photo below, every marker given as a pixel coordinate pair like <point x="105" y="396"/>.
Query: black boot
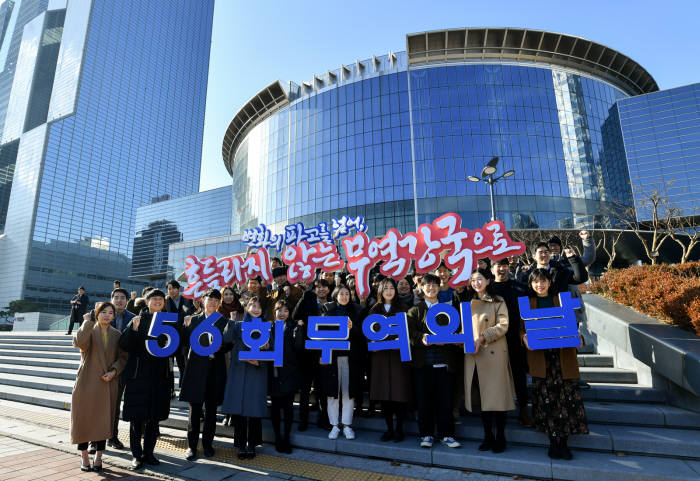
<point x="487" y="421"/>
<point x="564" y="449"/>
<point x="499" y="444"/>
<point x="554" y="451"/>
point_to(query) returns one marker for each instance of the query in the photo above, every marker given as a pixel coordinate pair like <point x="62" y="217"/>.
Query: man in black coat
<point x="204" y="381"/>
<point x="563" y="274"/>
<point x="78" y="308"/>
<point x="510" y="290"/>
<point x="174" y="302"/>
<point x="311" y="304"/>
<point x="147" y="381"/>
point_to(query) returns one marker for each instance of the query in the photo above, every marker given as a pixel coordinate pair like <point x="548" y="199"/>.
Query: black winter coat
<point x="193" y="383"/>
<point x="510" y="290"/>
<point x="146" y="377"/>
<point x="563" y="274"/>
<point x="356" y="354"/>
<point x="286" y="379"/>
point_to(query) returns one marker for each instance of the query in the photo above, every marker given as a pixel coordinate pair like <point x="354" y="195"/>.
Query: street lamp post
<point x="487" y="176"/>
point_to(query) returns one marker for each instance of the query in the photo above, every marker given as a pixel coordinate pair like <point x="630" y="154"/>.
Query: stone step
<point x="39" y="371"/>
<point x="627" y="439"/>
<point x="65" y="341"/>
<point x="43" y="354"/>
<point x="518" y="460"/>
<point x="30" y="346"/>
<point x="39" y="383"/>
<point x="608" y="374"/>
<point x="638" y="393"/>
<point x="595" y="360"/>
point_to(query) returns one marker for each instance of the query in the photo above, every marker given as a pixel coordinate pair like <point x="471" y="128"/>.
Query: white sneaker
<point x="426" y="442"/>
<point x="334" y="433"/>
<point x="451" y="442"/>
<point x="348" y="432"/>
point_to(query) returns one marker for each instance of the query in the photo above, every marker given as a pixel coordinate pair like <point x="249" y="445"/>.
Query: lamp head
<point x="509" y="173"/>
<point x="490" y="168"/>
<point x="473" y="178"/>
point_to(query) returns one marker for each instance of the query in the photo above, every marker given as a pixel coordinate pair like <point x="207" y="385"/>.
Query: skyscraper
<point x="101" y="110"/>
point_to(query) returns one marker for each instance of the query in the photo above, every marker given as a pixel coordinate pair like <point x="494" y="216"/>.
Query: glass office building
<point x="102" y="110"/>
<point x="661" y="134"/>
<point x="394" y="138"/>
<point x="160" y="225"/>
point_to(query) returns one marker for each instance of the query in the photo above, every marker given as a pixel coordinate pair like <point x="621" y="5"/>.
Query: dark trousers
<point x="120" y="395"/>
<point x="77" y="319"/>
<point x="282" y="405"/>
<point x="391" y="408"/>
<point x="518" y="366"/>
<point x="247" y="431"/>
<point x="434" y="395"/>
<point x="209" y="404"/>
<point x="149" y="430"/>
<point x="99" y="445"/>
<point x="311" y="375"/>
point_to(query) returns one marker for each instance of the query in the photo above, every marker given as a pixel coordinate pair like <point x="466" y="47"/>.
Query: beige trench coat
<point x="490" y="319"/>
<point x="94" y="401"/>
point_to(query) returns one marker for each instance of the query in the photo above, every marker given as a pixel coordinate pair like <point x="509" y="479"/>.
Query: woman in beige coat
<point x="94" y="399"/>
<point x="489" y="367"/>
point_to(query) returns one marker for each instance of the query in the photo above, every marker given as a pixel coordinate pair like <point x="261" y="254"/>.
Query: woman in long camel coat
<point x="489" y="366"/>
<point x="94" y="399"/>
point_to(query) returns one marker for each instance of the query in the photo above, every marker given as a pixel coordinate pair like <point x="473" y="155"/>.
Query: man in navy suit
<point x="121" y="320"/>
<point x="174" y="302"/>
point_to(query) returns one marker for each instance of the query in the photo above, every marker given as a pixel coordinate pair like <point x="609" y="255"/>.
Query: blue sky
<point x="255" y="43"/>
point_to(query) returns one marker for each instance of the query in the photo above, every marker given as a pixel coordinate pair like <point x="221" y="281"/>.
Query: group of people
<point x="436" y="384"/>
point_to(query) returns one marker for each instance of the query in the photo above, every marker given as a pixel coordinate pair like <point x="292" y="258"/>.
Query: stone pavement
<point x="34" y="445"/>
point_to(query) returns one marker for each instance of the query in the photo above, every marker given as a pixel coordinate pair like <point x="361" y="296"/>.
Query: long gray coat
<point x="94" y="401"/>
<point x="246" y="385"/>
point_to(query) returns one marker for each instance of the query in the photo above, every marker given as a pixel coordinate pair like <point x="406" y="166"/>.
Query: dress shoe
<point x="387" y="436"/>
<point x="115" y="443"/>
<point x="97" y="468"/>
<point x="251" y="453"/>
<point x="287" y="447"/>
<point x="136" y="463"/>
<point x="398" y="436"/>
<point x="524" y="419"/>
<point x="151" y="460"/>
<point x="190" y="454"/>
<point x="279" y="446"/>
<point x="242" y="453"/>
<point x="208" y="451"/>
<point x="486" y="445"/>
<point x="85" y="468"/>
<point x="564" y="450"/>
<point x="499" y="445"/>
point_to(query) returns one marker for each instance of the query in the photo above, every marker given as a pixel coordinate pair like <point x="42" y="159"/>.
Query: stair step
<point x="608" y="374"/>
<point x="595" y="360"/>
<point x="39" y="371"/>
<point x="30" y="346"/>
<point x="34" y="382"/>
<point x="623" y="393"/>
<point x="43" y="354"/>
<point x="68" y="341"/>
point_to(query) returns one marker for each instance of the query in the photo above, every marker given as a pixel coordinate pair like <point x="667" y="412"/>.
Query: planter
<point x="663" y="356"/>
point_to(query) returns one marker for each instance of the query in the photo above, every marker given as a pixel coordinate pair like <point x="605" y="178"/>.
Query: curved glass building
<point x="394" y="138"/>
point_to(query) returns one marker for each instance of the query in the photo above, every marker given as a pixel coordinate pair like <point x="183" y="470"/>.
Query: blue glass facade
<point x="397" y="144"/>
<point x="161" y="224"/>
<point x="661" y="134"/>
<point x="122" y="126"/>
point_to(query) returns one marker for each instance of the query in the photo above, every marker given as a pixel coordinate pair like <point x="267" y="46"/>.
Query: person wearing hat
<point x="78" y="308"/>
<point x="282" y="290"/>
<point x="147" y="383"/>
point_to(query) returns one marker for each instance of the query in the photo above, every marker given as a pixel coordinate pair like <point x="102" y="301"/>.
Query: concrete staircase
<point x="634" y="433"/>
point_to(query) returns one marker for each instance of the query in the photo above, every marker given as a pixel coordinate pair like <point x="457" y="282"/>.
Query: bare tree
<point x="529" y="237"/>
<point x="608" y="240"/>
<point x="652" y="233"/>
<point x="685" y="231"/>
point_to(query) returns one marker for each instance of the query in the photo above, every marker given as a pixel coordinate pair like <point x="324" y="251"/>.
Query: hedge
<point x="669" y="293"/>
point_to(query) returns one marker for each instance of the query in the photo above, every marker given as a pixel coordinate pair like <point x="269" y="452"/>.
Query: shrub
<point x="669" y="293"/>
